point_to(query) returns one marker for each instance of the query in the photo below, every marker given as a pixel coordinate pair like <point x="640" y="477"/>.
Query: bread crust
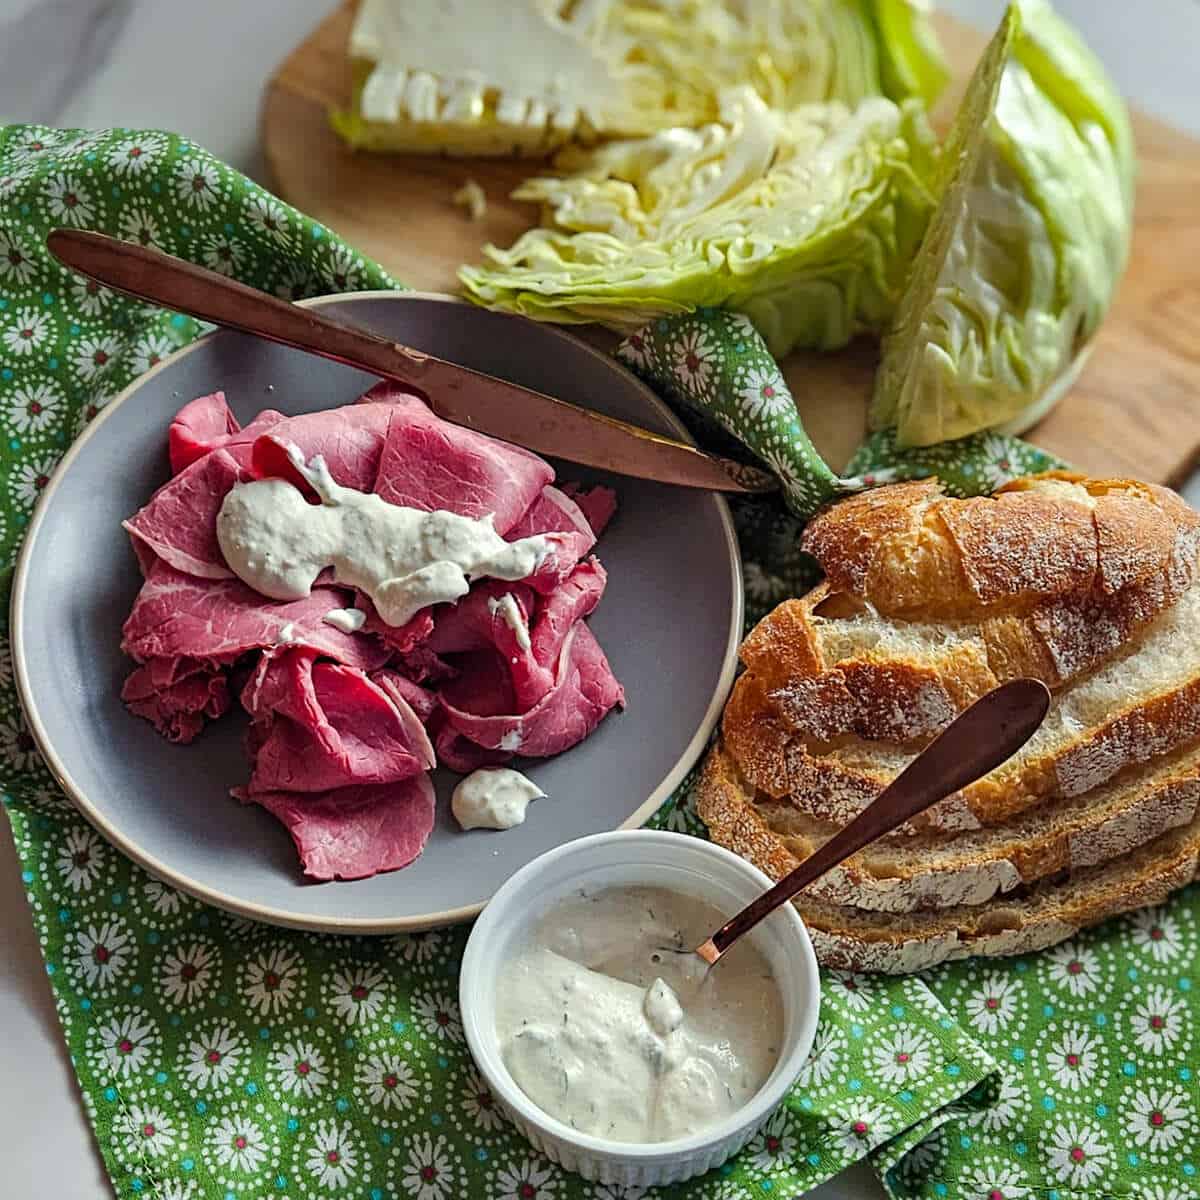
<point x="929" y="602"/>
<point x="897" y="943"/>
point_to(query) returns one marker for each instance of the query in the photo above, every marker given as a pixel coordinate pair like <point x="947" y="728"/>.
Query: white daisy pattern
<point x="17" y="263"/>
<point x="222" y="253"/>
<point x="147" y="1131"/>
<point x="532" y="1179"/>
<point x="694" y="358"/>
<point x="762" y="393"/>
<point x="437" y="1016"/>
<point x="68" y="201"/>
<point x="89" y="297"/>
<point x="857" y="992"/>
<point x="164" y="900"/>
<point x="774" y="1145"/>
<point x="862" y="1126"/>
<point x="824" y="1057"/>
<point x="237" y="1143"/>
<point x="992" y="1006"/>
<point x="299" y="1067"/>
<point x="28" y="330"/>
<point x="1072" y="1060"/>
<point x="196" y="183"/>
<point x="101" y="955"/>
<point x="1074" y="968"/>
<point x="428" y="1172"/>
<point x="295" y="283"/>
<point x="637" y="350"/>
<point x="387" y="1081"/>
<point x="271" y="980"/>
<point x="25" y="485"/>
<point x="420" y="948"/>
<point x="343" y="269"/>
<point x="214" y="1056"/>
<point x="187" y="972"/>
<point x="34" y="407"/>
<point x="906" y="1055"/>
<point x="132" y="156"/>
<point x="1077" y="1154"/>
<point x="81" y="859"/>
<point x="150" y="350"/>
<point x="1157" y="1119"/>
<point x="993" y="1179"/>
<point x="125" y="1044"/>
<point x="265" y="213"/>
<point x="357" y="992"/>
<point x="333" y="1154"/>
<point x="138" y="224"/>
<point x="478" y="1103"/>
<point x="94" y="357"/>
<point x="1156" y="934"/>
<point x="1157" y="1023"/>
<point x="1011" y="1100"/>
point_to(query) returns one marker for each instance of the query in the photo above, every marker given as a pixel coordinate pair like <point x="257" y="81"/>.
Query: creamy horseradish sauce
<point x="493" y="798"/>
<point x="612" y="1035"/>
<point x="403" y="558"/>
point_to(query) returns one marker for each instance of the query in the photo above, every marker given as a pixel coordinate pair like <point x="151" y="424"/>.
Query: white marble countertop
<point x="198" y="68"/>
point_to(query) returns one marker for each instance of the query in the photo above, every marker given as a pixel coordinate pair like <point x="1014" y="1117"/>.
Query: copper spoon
<point x="456" y="393"/>
<point x="987" y="734"/>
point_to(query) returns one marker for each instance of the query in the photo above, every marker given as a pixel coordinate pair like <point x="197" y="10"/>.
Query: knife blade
<point x="459" y="394"/>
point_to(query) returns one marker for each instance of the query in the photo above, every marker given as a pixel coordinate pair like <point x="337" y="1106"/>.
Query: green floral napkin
<point x="223" y="1059"/>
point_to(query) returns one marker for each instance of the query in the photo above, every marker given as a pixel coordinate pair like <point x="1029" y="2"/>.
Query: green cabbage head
<point x="1020" y="261"/>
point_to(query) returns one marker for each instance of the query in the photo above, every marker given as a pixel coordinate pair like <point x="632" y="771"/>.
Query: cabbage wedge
<point x="1021" y="260"/>
<point x="805" y="220"/>
<point x="501" y="77"/>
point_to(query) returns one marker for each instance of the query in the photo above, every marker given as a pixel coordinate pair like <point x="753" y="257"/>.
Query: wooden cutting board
<point x="1135" y="411"/>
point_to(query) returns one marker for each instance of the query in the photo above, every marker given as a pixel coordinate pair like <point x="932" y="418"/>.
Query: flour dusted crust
<point x="853" y="937"/>
<point x="929" y="602"/>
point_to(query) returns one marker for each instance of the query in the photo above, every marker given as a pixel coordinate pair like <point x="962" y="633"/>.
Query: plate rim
<point x="316" y="922"/>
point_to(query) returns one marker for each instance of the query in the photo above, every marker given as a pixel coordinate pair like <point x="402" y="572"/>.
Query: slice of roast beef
<point x="177" y="615"/>
<point x="584" y="691"/>
<point x="354" y="832"/>
<point x="598" y="504"/>
<point x="208" y="424"/>
<point x="323" y="726"/>
<point x="177" y="695"/>
<point x="556" y="514"/>
<point x="430" y="464"/>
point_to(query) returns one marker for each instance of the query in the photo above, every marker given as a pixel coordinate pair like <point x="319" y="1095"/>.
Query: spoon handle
<point x="988" y="733"/>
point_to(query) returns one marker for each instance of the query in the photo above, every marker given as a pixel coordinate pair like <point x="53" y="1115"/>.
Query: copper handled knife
<point x="456" y="393"/>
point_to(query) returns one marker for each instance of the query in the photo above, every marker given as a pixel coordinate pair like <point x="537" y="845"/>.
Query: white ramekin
<point x="625" y="859"/>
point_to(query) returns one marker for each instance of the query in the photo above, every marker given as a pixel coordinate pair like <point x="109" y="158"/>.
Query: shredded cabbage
<point x="1020" y="262"/>
<point x="805" y="220"/>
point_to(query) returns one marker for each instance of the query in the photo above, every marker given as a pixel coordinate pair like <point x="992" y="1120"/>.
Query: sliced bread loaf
<point x="938" y="870"/>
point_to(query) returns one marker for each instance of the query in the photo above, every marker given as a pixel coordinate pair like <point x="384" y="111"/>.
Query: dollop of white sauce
<point x="286" y="634"/>
<point x="493" y="798"/>
<point x="348" y="620"/>
<point x="507" y="609"/>
<point x="405" y="559"/>
<point x="607" y="1030"/>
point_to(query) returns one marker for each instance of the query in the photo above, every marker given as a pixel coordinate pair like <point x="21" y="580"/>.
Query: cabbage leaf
<point x="1031" y="235"/>
<point x="804" y="220"/>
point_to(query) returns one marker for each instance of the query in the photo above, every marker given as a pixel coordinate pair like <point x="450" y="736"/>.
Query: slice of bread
<point x="1032" y="918"/>
<point x="838" y="697"/>
<point x="935" y="870"/>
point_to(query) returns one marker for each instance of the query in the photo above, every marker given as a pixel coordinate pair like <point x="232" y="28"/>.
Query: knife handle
<point x="184" y="287"/>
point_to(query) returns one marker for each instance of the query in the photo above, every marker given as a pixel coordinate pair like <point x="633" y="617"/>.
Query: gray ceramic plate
<point x="669" y="623"/>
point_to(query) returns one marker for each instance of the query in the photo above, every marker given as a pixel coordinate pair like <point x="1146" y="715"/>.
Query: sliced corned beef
<point x="208" y="424"/>
<point x="178" y="695"/>
<point x="179" y="525"/>
<point x="460" y="754"/>
<point x="598" y="504"/>
<point x="328" y="726"/>
<point x="355" y="832"/>
<point x="568" y="604"/>
<point x="350" y="439"/>
<point x="421" y="700"/>
<point x="177" y="614"/>
<point x="555" y="513"/>
<point x="430" y="464"/>
<point x="584" y="691"/>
